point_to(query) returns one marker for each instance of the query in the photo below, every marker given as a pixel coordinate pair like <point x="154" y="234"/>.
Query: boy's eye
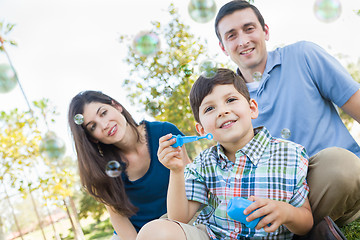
<point x="231" y="100"/>
<point x="208" y="109"/>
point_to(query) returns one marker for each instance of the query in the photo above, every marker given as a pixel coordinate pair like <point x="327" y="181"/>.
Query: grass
<point x="352" y="230"/>
<point x="91" y="229"/>
<point x="104" y="230"/>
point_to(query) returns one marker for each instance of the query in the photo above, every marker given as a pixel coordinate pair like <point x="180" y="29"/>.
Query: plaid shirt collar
<point x="253" y="149"/>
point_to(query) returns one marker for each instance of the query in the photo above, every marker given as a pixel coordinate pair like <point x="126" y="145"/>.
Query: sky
<point x="69" y="46"/>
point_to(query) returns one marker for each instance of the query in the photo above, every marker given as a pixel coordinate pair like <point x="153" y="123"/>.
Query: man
<point x="299" y="86"/>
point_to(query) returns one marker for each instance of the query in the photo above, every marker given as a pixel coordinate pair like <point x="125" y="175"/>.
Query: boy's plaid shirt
<point x="266" y="167"/>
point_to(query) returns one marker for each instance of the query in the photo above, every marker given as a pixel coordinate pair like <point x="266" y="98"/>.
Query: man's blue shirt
<point x="297" y="91"/>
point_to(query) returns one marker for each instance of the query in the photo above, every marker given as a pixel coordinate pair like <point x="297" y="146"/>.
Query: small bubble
<point x="257" y="76"/>
<point x="146" y="43"/>
<point x="113" y="168"/>
<point x="7" y="78"/>
<point x="285" y="133"/>
<point x="153" y="108"/>
<point x="327" y="10"/>
<point x="186" y="70"/>
<point x="79" y="119"/>
<point x="202" y="11"/>
<point x="208" y="68"/>
<point x="52" y="146"/>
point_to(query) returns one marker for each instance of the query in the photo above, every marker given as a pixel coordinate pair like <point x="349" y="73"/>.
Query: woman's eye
<point x="92" y="128"/>
<point x="103" y="113"/>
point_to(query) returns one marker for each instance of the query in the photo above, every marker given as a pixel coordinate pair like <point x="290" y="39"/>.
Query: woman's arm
<point x="122" y="225"/>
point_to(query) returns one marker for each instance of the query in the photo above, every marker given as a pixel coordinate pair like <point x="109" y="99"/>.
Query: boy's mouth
<point x="227" y="124"/>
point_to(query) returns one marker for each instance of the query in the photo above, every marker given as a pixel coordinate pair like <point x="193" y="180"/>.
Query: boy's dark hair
<point x="203" y="86"/>
<point x="233" y="6"/>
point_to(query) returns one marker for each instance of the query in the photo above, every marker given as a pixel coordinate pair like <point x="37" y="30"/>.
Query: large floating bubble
<point x="202" y="11"/>
<point x="208" y="68"/>
<point x="327" y="10"/>
<point x="52" y="146"/>
<point x="285" y="133"/>
<point x="113" y="168"/>
<point x="79" y="119"/>
<point x="146" y="43"/>
<point x="7" y="78"/>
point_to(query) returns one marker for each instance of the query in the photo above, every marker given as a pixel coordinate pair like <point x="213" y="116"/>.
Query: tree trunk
<point x="77" y="221"/>
<point x="13" y="213"/>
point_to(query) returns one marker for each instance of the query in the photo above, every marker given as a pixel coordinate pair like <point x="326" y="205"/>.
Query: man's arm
<point x="352" y="106"/>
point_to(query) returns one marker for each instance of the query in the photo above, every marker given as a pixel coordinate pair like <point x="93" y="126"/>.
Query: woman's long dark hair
<point x="103" y="188"/>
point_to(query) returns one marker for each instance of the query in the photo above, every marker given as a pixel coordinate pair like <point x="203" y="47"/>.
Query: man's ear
<point x="200" y="129"/>
<point x="267" y="34"/>
<point x="223" y="49"/>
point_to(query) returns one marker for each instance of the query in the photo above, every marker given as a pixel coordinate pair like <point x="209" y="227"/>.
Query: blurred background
<point x="145" y="54"/>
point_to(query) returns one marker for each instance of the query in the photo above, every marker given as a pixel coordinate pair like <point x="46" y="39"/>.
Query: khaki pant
<point x="334" y="182"/>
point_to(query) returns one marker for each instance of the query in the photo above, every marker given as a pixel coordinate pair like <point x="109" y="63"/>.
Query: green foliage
<point x="99" y="230"/>
<point x="5" y="29"/>
<point x="19" y="145"/>
<point x="161" y="83"/>
<point x="89" y="206"/>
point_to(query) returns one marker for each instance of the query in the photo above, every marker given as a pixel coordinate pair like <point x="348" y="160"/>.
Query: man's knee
<point x="336" y="165"/>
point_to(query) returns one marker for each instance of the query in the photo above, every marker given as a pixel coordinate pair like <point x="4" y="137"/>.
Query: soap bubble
<point x="146" y="43"/>
<point x="153" y="108"/>
<point x="186" y="70"/>
<point x="113" y="168"/>
<point x="208" y="68"/>
<point x="52" y="146"/>
<point x="7" y="78"/>
<point x="257" y="76"/>
<point x="327" y="10"/>
<point x="79" y="119"/>
<point x="285" y="133"/>
<point x="202" y="11"/>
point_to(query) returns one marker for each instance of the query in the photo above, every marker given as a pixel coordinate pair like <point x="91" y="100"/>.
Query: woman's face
<point x="105" y="123"/>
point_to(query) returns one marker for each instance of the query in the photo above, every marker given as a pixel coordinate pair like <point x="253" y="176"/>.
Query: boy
<point x="246" y="162"/>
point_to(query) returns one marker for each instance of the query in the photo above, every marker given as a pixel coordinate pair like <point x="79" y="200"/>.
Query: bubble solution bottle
<point x="235" y="210"/>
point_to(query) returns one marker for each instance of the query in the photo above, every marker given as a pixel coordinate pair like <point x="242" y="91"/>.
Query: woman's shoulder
<point x="161" y="127"/>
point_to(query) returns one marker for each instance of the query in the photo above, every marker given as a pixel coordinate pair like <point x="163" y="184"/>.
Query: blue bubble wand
<point x="180" y="140"/>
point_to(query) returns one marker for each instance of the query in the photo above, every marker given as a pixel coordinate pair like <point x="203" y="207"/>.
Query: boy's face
<point x="227" y="115"/>
<point x="243" y="39"/>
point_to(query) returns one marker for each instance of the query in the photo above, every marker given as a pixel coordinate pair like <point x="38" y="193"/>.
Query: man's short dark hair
<point x="203" y="86"/>
<point x="233" y="6"/>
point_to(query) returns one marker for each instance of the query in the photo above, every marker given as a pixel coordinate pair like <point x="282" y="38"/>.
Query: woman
<point x="103" y="130"/>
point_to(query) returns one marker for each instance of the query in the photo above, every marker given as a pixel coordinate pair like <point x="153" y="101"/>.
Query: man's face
<point x="243" y="39"/>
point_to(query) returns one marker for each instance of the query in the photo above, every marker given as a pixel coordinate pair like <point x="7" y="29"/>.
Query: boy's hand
<point x="174" y="159"/>
<point x="274" y="213"/>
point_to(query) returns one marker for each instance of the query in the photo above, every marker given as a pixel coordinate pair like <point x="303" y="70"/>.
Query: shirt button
<point x="237" y="230"/>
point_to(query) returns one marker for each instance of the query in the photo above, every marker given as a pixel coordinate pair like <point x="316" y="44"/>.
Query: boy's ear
<point x="200" y="129"/>
<point x="254" y="109"/>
